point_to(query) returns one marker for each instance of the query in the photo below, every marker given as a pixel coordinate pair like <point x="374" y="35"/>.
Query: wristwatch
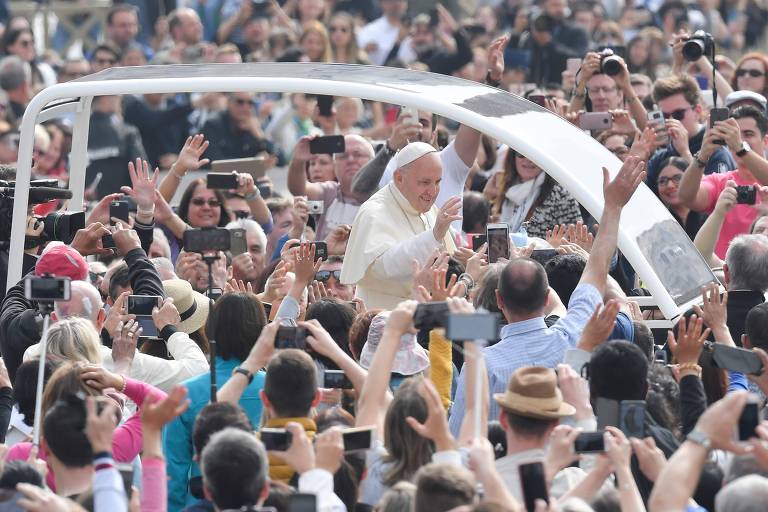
<point x="242" y="371"/>
<point x="698" y="161"/>
<point x="745" y="148"/>
<point x="700" y="438"/>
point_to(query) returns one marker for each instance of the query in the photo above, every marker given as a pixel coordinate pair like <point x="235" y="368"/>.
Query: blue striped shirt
<point x="529" y="343"/>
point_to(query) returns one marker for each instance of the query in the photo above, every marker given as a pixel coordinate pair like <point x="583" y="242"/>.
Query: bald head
<point x="84" y="302"/>
<point x="523" y="287"/>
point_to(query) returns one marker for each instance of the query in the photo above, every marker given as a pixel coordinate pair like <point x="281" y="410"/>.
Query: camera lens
<point x="610" y="65"/>
<point x="693" y="49"/>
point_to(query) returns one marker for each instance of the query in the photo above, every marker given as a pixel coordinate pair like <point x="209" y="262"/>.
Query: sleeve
<point x="576" y="358"/>
<point x="188" y="361"/>
<point x="19" y="327"/>
<point x="108" y="490"/>
<point x="177" y="446"/>
<point x="395" y="263"/>
<point x="143" y="275"/>
<point x="713" y="187"/>
<point x="736" y="382"/>
<point x="580" y="308"/>
<point x="693" y="402"/>
<point x="453" y="164"/>
<point x="450" y="457"/>
<point x="146" y="234"/>
<point x="6" y="407"/>
<point x="289" y="308"/>
<point x="441" y="365"/>
<point x="457" y="410"/>
<point x="127" y="441"/>
<point x="154" y="489"/>
<point x="320" y="483"/>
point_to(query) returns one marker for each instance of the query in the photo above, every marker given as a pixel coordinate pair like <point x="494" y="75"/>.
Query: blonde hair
<point x="74" y="339"/>
<point x="316" y="27"/>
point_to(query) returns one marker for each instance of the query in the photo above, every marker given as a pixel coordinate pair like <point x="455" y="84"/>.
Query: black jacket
<point x="111" y="145"/>
<point x="230" y="142"/>
<point x="667" y="443"/>
<point x="162" y="130"/>
<point x="693" y="401"/>
<point x="740" y="302"/>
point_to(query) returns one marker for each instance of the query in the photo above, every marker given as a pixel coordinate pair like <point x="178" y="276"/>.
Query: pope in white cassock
<point x="397" y="225"/>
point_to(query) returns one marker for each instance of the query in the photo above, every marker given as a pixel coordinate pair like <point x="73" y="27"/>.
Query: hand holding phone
<point x="533" y="483"/>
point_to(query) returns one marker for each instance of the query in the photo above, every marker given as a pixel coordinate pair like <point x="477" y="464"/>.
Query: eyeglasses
<point x="243" y="101"/>
<point x="664" y="180"/>
<point x="199" y="201"/>
<point x="106" y="62"/>
<point x="241" y="214"/>
<point x="678" y="114"/>
<point x="340" y="29"/>
<point x="605" y="90"/>
<point x="324" y="275"/>
<point x="355" y="155"/>
<point x="754" y="73"/>
<point x="25" y="42"/>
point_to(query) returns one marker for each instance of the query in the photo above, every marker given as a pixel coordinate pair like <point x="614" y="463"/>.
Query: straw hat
<point x="192" y="306"/>
<point x="533" y="393"/>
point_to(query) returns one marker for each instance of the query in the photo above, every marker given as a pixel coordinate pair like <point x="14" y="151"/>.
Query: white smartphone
<point x="412" y="112"/>
<point x="358" y="439"/>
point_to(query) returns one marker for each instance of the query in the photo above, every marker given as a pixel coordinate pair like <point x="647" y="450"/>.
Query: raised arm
<point x="297" y="174"/>
<point x="706" y="238"/>
<point x="616" y="193"/>
<point x="322" y="343"/>
<point x="189" y="160"/>
<point x="257" y="359"/>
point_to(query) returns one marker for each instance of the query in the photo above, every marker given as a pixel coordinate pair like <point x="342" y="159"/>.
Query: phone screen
<point x="277" y="439"/>
<point x="498" y="242"/>
<point x="118" y="210"/>
<point x="478" y="240"/>
<point x="590" y="442"/>
<point x="430" y="315"/>
<point x="533" y="483"/>
<point x="142" y="305"/>
<point x="291" y="337"/>
<point x="336" y="379"/>
<point x="357" y="439"/>
<point x="221" y="180"/>
<point x="302" y="503"/>
<point x="327" y="145"/>
<point x="748" y="421"/>
<point x="477" y="326"/>
<point x="325" y="105"/>
<point x="632" y="418"/>
<point x="607" y="412"/>
<point x="237" y="242"/>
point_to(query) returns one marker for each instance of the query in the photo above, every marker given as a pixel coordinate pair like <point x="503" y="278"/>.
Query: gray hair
<point x="164" y="267"/>
<point x="745" y="494"/>
<point x="14" y="72"/>
<point x="84" y="302"/>
<point x="400" y="496"/>
<point x="250" y="226"/>
<point x="747" y="260"/>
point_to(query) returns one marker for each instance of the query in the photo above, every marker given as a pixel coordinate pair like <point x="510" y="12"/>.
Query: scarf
<point x="278" y="470"/>
<point x="518" y="202"/>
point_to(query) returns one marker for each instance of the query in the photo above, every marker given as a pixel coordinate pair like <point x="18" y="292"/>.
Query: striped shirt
<point x="529" y="343"/>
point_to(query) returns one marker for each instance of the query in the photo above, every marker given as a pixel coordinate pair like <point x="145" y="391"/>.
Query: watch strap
<point x="700" y="438"/>
<point x="744" y="149"/>
<point x="242" y="371"/>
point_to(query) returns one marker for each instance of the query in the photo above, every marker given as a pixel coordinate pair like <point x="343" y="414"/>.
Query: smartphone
<point x="237" y="242"/>
<point x="590" y="442"/>
<point x="107" y="242"/>
<point x="736" y="359"/>
<point x="321" y="249"/>
<point x="267" y="308"/>
<point x="538" y="99"/>
<point x="543" y="255"/>
<point x="221" y="180"/>
<point x="656" y="120"/>
<point x="277" y="439"/>
<point x="632" y="418"/>
<point x="478" y="240"/>
<point x="142" y="305"/>
<point x="358" y="439"/>
<point x="289" y="336"/>
<point x="119" y="210"/>
<point x="748" y="421"/>
<point x="595" y="121"/>
<point x="533" y="483"/>
<point x="325" y="105"/>
<point x="336" y="379"/>
<point x="47" y="289"/>
<point x="327" y="145"/>
<point x="316" y="207"/>
<point x="498" y="242"/>
<point x="607" y="412"/>
<point x="207" y="239"/>
<point x="573" y="65"/>
<point x="476" y="326"/>
<point x="300" y="502"/>
<point x="430" y="315"/>
<point x="413" y="113"/>
<point x="718" y="114"/>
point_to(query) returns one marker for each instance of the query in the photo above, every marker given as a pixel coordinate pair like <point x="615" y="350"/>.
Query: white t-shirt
<point x="455" y="173"/>
<point x="381" y="32"/>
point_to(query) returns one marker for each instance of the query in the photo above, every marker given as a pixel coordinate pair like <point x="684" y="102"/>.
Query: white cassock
<point x="387" y="235"/>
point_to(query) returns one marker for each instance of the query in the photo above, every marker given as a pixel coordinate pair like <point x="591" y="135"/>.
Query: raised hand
<point x="100" y="211"/>
<point x="100" y="427"/>
<point x="99" y="378"/>
<point x="305" y="266"/>
<point x="496" y="58"/>
<point x="440" y="289"/>
<point x="617" y="192"/>
<point x="238" y="286"/>
<point x="423" y="275"/>
<point x="88" y="241"/>
<point x="579" y="234"/>
<point x="435" y="427"/>
<point x="400" y="319"/>
<point x="143" y="185"/>
<point x="690" y="339"/>
<point x="117" y="315"/>
<point x="190" y="155"/>
<point x="337" y="239"/>
<point x="124" y="344"/>
<point x="715" y="311"/>
<point x="599" y="326"/>
<point x="156" y="413"/>
<point x="166" y="314"/>
<point x="556" y="235"/>
<point x="126" y="239"/>
<point x="448" y="213"/>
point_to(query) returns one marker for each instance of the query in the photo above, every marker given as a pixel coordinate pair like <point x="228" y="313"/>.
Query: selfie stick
<point x="209" y="259"/>
<point x="479" y="388"/>
<point x="46" y="310"/>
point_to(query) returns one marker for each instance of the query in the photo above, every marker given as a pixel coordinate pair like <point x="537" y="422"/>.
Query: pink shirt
<point x="738" y="220"/>
<point x="126" y="442"/>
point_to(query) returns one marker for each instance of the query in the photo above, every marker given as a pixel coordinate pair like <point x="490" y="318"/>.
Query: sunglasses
<point x="324" y="275"/>
<point x="665" y="180"/>
<point x="241" y="214"/>
<point x="243" y="101"/>
<point x="678" y="114"/>
<point x="199" y="201"/>
<point x="343" y="30"/>
<point x="754" y="73"/>
<point x="106" y="62"/>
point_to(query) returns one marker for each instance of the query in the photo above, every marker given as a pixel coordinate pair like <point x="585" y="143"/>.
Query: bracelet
<point x="140" y="211"/>
<point x="697" y="159"/>
<point x="490" y="81"/>
<point x="125" y="384"/>
<point x="468" y="280"/>
<point x="102" y="455"/>
<point x="171" y="170"/>
<point x="253" y="195"/>
<point x="692" y="367"/>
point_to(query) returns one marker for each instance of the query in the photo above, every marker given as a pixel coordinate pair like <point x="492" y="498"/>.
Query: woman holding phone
<point x="668" y="184"/>
<point x="523" y="192"/>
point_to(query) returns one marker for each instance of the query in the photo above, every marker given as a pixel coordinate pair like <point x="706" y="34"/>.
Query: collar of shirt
<point x="523" y="327"/>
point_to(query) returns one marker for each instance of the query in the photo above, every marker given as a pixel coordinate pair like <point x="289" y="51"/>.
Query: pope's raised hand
<point x="448" y="213"/>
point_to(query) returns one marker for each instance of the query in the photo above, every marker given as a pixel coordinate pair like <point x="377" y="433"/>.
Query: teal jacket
<point x="177" y="437"/>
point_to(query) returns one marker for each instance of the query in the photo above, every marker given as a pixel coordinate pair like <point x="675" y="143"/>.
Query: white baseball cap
<point x="739" y="96"/>
<point x="412" y="152"/>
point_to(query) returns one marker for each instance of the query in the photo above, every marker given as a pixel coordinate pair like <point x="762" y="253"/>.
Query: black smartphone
<point x="607" y="412"/>
<point x="221" y="180"/>
<point x="736" y="359"/>
<point x="237" y="242"/>
<point x="336" y="379"/>
<point x="477" y="326"/>
<point x="478" y="240"/>
<point x="207" y="239"/>
<point x="538" y="99"/>
<point x="327" y="145"/>
<point x="718" y="114"/>
<point x="632" y="418"/>
<point x="267" y="308"/>
<point x="590" y="442"/>
<point x="300" y="502"/>
<point x="142" y="305"/>
<point x="119" y="210"/>
<point x="543" y="255"/>
<point x="748" y="421"/>
<point x="289" y="336"/>
<point x="746" y="194"/>
<point x="47" y="289"/>
<point x="321" y="249"/>
<point x="107" y="242"/>
<point x="533" y="483"/>
<point x="498" y="242"/>
<point x="325" y="105"/>
<point x="358" y="439"/>
<point x="430" y="315"/>
<point x="277" y="439"/>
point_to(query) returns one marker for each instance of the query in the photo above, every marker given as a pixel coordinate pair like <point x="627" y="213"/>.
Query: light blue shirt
<point x="529" y="343"/>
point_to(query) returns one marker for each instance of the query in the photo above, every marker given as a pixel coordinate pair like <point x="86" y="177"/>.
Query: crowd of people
<point x="314" y="368"/>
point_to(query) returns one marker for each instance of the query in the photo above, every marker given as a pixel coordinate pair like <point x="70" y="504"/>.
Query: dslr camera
<point x="700" y="43"/>
<point x="610" y="63"/>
